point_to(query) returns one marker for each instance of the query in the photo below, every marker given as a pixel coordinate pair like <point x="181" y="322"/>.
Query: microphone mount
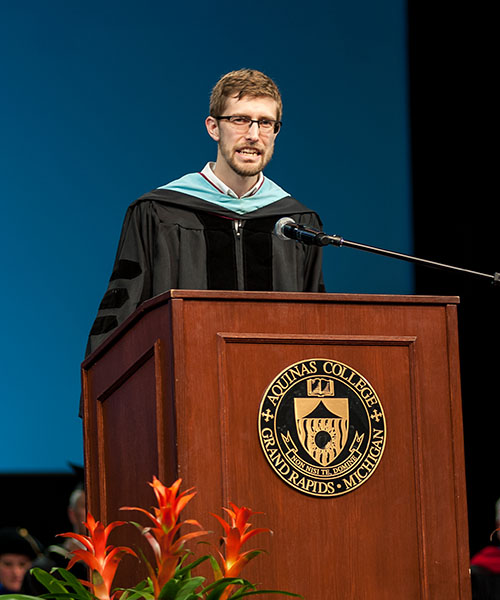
<point x="286" y="228"/>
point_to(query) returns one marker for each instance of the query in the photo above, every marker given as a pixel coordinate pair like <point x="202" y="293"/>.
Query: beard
<point x="237" y="163"/>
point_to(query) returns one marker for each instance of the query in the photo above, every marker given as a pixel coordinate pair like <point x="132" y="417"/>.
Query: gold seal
<point x="322" y="427"/>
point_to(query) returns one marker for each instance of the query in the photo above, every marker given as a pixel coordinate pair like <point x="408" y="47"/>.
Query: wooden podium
<point x="176" y="391"/>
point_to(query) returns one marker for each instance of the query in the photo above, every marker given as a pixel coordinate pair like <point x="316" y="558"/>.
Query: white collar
<point x="209" y="174"/>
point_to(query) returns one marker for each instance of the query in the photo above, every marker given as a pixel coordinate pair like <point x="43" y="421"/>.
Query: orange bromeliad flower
<point x="167" y="546"/>
<point x="237" y="532"/>
<point x="101" y="559"/>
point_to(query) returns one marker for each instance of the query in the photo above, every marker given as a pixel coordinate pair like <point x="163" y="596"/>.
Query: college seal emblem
<point x="322" y="427"/>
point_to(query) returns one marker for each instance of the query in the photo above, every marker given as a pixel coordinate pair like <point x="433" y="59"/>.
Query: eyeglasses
<point x="243" y="124"/>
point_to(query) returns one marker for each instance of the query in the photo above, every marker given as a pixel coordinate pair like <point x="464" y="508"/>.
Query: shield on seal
<point x="322" y="426"/>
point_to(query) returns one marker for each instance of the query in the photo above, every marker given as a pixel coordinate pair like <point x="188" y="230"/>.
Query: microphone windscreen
<point x="278" y="228"/>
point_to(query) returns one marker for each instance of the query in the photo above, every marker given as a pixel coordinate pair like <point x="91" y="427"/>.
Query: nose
<point x="253" y="131"/>
<point x="19" y="571"/>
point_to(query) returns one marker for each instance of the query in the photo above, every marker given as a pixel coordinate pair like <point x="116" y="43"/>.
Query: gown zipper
<point x="238" y="243"/>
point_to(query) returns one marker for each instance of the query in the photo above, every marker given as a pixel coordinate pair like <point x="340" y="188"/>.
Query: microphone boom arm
<point x="324" y="239"/>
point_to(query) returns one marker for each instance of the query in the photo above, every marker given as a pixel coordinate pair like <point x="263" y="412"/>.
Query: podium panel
<point x="178" y="391"/>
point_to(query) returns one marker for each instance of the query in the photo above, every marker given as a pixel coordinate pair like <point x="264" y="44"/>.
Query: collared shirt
<point x="208" y="173"/>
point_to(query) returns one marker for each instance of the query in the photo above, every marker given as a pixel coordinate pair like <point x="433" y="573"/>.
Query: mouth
<point x="248" y="152"/>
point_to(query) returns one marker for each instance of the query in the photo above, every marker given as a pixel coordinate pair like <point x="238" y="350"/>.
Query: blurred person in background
<point x="58" y="555"/>
<point x="18" y="550"/>
<point x="485" y="566"/>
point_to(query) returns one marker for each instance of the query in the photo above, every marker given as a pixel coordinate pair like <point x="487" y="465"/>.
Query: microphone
<point x="287" y="229"/>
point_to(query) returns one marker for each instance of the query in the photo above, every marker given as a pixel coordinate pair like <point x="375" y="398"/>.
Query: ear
<point x="212" y="126"/>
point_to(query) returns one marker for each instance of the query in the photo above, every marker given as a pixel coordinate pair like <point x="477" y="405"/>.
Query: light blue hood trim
<point x="194" y="184"/>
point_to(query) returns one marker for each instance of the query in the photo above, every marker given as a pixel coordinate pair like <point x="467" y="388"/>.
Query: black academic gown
<point x="171" y="240"/>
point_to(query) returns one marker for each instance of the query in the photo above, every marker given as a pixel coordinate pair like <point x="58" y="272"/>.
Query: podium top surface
<point x="300" y="297"/>
<point x="303" y="297"/>
<point x="267" y="297"/>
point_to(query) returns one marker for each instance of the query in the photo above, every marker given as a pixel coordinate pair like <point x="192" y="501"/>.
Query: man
<point x="485" y="566"/>
<point x="214" y="229"/>
<point x="58" y="555"/>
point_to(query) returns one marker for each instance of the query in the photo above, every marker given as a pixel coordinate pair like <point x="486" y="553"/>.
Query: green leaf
<point x="215" y="568"/>
<point x="137" y="595"/>
<point x="73" y="582"/>
<point x="18" y="597"/>
<point x="49" y="581"/>
<point x="181" y="572"/>
<point x="48" y="596"/>
<point x="182" y="589"/>
<point x="217" y="588"/>
<point x="138" y="525"/>
<point x="169" y="590"/>
<point x="247" y="589"/>
<point x="253" y="553"/>
<point x="68" y="588"/>
<point x="143" y="589"/>
<point x="62" y="595"/>
<point x="187" y="591"/>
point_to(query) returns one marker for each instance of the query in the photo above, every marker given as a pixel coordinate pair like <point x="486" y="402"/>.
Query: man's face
<point x="77" y="514"/>
<point x="245" y="153"/>
<point x="13" y="567"/>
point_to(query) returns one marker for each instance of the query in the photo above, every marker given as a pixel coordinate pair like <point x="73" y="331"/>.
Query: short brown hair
<point x="244" y="82"/>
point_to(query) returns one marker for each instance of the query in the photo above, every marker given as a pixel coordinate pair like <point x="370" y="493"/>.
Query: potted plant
<point x="170" y="575"/>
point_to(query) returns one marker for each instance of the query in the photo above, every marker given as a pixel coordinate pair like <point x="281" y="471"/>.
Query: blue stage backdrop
<point x="103" y="101"/>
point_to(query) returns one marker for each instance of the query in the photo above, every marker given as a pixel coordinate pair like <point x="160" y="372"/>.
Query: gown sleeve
<point x="130" y="281"/>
